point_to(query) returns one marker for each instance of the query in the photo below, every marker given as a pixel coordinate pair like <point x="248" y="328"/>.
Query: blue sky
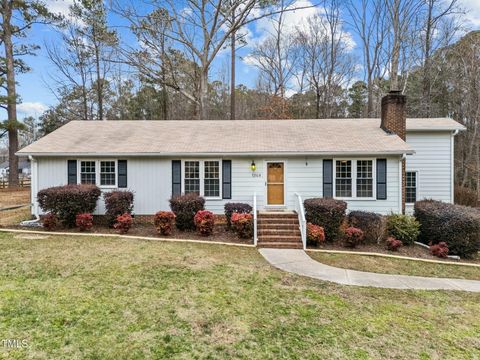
<point x="36" y="96"/>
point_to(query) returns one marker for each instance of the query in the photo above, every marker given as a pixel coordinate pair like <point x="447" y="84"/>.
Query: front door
<point x="275" y="183"/>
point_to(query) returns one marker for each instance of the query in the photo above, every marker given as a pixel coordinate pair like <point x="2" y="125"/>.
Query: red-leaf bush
<point x="124" y="223"/>
<point x="163" y="221"/>
<point x="84" y="221"/>
<point x="204" y="222"/>
<point x="393" y="244"/>
<point x="440" y="250"/>
<point x="353" y="237"/>
<point x="49" y="221"/>
<point x="328" y="213"/>
<point x="456" y="225"/>
<point x="231" y="208"/>
<point x="243" y="225"/>
<point x="185" y="207"/>
<point x="372" y="224"/>
<point x="117" y="203"/>
<point x="315" y="234"/>
<point x="66" y="202"/>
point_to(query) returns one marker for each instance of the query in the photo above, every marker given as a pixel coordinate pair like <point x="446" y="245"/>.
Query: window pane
<point x="212" y="179"/>
<point x="343" y="178"/>
<point x="364" y="178"/>
<point x="87" y="172"/>
<point x="192" y="177"/>
<point x="410" y="187"/>
<point x="107" y="173"/>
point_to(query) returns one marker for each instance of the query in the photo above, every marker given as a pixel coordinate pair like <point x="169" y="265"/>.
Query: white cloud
<point x="34" y="109"/>
<point x="472" y="12"/>
<point x="60" y="7"/>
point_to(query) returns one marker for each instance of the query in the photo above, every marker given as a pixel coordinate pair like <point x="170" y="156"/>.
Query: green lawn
<point x="109" y="298"/>
<point x="396" y="266"/>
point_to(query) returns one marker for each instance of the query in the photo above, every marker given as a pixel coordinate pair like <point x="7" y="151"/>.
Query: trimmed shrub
<point x="163" y="221"/>
<point x="315" y="234"/>
<point x="124" y="223"/>
<point x="231" y="208"/>
<point x="204" y="222"/>
<point x="49" y="221"/>
<point x="465" y="196"/>
<point x="84" y="221"/>
<point x="117" y="203"/>
<point x="403" y="227"/>
<point x="66" y="202"/>
<point x="372" y="224"/>
<point x="185" y="207"/>
<point x="353" y="237"/>
<point x="393" y="244"/>
<point x="456" y="225"/>
<point x="440" y="250"/>
<point x="243" y="225"/>
<point x="328" y="213"/>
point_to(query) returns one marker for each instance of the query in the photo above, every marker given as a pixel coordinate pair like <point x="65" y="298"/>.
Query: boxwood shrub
<point x="67" y="201"/>
<point x="403" y="227"/>
<point x="185" y="207"/>
<point x="372" y="224"/>
<point x="240" y="208"/>
<point x="117" y="203"/>
<point x="456" y="225"/>
<point x="327" y="213"/>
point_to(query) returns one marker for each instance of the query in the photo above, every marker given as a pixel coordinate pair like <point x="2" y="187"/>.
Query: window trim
<point x="416" y="186"/>
<point x="202" y="177"/>
<point x="97" y="172"/>
<point x="354" y="179"/>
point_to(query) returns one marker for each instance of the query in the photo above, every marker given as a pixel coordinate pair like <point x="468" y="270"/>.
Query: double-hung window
<point x="98" y="172"/>
<point x="192" y="177"/>
<point x="354" y="179"/>
<point x="88" y="173"/>
<point x="364" y="178"/>
<point x="410" y="187"/>
<point x="202" y="177"/>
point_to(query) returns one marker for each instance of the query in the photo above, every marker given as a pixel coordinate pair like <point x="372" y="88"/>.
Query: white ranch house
<point x="356" y="160"/>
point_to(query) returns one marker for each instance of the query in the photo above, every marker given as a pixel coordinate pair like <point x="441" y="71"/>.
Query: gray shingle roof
<point x="218" y="137"/>
<point x="433" y="124"/>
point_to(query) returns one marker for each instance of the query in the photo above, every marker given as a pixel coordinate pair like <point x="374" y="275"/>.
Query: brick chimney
<point x="394" y="121"/>
<point x="393" y="113"/>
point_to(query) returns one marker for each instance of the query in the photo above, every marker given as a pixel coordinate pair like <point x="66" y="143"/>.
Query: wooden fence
<point x="22" y="182"/>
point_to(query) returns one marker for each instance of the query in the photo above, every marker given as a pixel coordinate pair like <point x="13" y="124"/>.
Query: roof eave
<point x="222" y="154"/>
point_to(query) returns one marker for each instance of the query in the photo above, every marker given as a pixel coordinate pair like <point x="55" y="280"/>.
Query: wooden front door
<point x="275" y="183"/>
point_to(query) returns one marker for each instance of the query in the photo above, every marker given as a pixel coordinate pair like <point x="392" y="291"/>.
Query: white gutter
<point x="224" y="154"/>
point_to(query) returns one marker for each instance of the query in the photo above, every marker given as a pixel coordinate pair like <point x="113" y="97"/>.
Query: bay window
<point x="354" y="178"/>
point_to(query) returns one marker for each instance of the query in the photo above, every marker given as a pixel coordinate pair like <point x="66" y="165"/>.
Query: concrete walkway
<point x="298" y="262"/>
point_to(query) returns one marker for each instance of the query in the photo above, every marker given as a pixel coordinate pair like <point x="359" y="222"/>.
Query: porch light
<point x="253" y="167"/>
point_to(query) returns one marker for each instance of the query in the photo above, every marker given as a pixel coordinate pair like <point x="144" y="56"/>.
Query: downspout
<point x="34" y="190"/>
<point x="452" y="166"/>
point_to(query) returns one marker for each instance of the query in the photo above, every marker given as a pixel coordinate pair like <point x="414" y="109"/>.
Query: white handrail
<point x="301" y="219"/>
<point x="255" y="237"/>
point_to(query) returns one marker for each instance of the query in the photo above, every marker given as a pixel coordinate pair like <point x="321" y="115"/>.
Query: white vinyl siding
<point x="151" y="181"/>
<point x="433" y="163"/>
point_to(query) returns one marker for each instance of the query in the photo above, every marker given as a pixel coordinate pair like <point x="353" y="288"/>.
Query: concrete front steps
<point x="278" y="229"/>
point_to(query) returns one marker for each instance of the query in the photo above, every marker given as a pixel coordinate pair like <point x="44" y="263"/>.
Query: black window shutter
<point x="122" y="173"/>
<point x="72" y="171"/>
<point x="227" y="179"/>
<point x="327" y="178"/>
<point x="381" y="179"/>
<point x="176" y="177"/>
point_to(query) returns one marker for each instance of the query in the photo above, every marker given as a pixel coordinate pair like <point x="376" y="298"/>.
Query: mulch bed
<point x="220" y="233"/>
<point x="415" y="251"/>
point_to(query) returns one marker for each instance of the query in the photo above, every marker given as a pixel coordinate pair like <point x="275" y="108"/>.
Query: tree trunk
<point x="426" y="65"/>
<point x="99" y="82"/>
<point x="396" y="46"/>
<point x="11" y="96"/>
<point x="203" y="114"/>
<point x="164" y="82"/>
<point x="232" y="81"/>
